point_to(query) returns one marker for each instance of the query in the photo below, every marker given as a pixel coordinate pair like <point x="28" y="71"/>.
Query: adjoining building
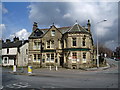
<point x="15" y="52"/>
<point x="70" y="47"/>
<point x="118" y="52"/>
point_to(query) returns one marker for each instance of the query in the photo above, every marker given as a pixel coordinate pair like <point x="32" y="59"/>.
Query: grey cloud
<point x="65" y="14"/>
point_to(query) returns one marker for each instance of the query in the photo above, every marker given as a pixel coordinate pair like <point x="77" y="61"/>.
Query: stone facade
<point x="70" y="47"/>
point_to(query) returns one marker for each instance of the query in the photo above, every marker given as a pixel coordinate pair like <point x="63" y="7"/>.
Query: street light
<point x="22" y="53"/>
<point x="97" y="44"/>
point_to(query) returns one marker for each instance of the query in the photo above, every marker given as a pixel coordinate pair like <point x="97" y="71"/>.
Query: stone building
<point x="70" y="47"/>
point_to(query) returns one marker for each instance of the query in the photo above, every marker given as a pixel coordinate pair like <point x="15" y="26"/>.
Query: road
<point x="64" y="79"/>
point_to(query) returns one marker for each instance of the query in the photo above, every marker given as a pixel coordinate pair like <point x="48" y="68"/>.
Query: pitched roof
<point x="77" y="28"/>
<point x="37" y="33"/>
<point x="13" y="44"/>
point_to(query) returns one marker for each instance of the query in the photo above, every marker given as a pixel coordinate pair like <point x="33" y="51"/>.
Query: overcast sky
<point x="18" y="18"/>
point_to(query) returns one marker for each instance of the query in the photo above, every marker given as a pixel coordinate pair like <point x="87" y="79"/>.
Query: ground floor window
<point x="34" y="57"/>
<point x="43" y="60"/>
<point x="48" y="57"/>
<point x="52" y="57"/>
<point x="37" y="57"/>
<point x="5" y="60"/>
<point x="74" y="56"/>
<point x="84" y="56"/>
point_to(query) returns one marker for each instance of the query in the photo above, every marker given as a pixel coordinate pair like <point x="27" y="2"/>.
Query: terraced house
<point x="70" y="47"/>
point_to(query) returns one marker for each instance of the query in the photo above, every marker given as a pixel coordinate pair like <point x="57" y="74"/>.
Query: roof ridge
<point x="78" y="27"/>
<point x="72" y="26"/>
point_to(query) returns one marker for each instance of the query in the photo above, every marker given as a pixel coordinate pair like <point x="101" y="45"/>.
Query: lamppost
<point x="97" y="44"/>
<point x="22" y="54"/>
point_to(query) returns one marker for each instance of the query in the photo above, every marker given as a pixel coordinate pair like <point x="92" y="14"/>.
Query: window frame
<point x="74" y="56"/>
<point x="36" y="45"/>
<point x="52" y="57"/>
<point x="84" y="56"/>
<point x="52" y="32"/>
<point x="74" y="41"/>
<point x="48" y="58"/>
<point x="48" y="44"/>
<point x="7" y="50"/>
<point x="35" y="59"/>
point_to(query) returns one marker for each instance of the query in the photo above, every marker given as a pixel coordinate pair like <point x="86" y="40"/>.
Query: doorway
<point x="61" y="61"/>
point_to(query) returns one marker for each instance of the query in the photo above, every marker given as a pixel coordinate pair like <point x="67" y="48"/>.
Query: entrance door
<point x="61" y="61"/>
<point x="5" y="61"/>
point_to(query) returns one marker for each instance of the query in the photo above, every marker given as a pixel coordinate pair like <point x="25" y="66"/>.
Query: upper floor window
<point x="53" y="33"/>
<point x="7" y="50"/>
<point x="83" y="41"/>
<point x="50" y="44"/>
<point x="74" y="41"/>
<point x="36" y="45"/>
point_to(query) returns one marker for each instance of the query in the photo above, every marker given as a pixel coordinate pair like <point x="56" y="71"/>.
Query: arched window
<point x="74" y="41"/>
<point x="83" y="41"/>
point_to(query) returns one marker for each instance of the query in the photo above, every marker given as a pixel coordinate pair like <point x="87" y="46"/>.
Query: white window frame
<point x="52" y="33"/>
<point x="75" y="59"/>
<point x="84" y="59"/>
<point x="37" y="46"/>
<point x="51" y="47"/>
<point x="50" y="59"/>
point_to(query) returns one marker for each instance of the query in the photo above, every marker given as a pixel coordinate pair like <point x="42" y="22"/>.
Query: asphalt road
<point x="68" y="79"/>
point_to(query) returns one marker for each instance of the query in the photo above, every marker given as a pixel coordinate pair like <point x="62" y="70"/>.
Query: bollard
<point x="50" y="67"/>
<point x="56" y="68"/>
<point x="29" y="69"/>
<point x="14" y="68"/>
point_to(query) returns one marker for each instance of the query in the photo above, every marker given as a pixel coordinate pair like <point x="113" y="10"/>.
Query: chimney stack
<point x="7" y="40"/>
<point x="35" y="26"/>
<point x="88" y="25"/>
<point x="15" y="39"/>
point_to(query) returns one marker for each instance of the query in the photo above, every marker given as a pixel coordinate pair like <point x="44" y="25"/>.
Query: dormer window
<point x="53" y="33"/>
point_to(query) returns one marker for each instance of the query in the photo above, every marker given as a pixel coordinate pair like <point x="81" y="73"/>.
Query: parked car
<point x="117" y="59"/>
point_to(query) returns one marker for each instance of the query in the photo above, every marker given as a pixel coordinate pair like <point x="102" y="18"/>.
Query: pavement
<point x="54" y="72"/>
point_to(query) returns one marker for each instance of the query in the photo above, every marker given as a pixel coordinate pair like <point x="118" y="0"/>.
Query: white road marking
<point x="18" y="85"/>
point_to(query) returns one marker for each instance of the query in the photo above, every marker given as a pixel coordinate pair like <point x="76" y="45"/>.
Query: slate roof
<point x="13" y="44"/>
<point x="75" y="28"/>
<point x="37" y="33"/>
